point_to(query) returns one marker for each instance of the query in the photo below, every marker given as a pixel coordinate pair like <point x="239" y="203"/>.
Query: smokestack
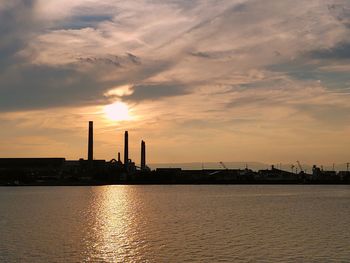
<point x="119" y="161"/>
<point x="126" y="149"/>
<point x="143" y="155"/>
<point x="91" y="142"/>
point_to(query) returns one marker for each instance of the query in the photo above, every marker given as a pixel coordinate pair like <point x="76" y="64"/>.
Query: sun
<point x="117" y="111"/>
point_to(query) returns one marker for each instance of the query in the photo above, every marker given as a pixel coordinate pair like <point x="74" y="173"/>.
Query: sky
<point x="199" y="81"/>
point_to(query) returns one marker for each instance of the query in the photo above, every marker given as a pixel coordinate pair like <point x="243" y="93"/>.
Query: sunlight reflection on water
<point x="175" y="224"/>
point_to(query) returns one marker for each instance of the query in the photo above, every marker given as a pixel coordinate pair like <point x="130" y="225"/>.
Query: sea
<point x="175" y="223"/>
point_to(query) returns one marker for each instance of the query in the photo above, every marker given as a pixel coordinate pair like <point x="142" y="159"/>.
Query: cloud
<point x="155" y="91"/>
<point x="257" y="71"/>
<point x="34" y="87"/>
<point x="82" y="21"/>
<point x="340" y="11"/>
<point x="16" y="23"/>
<point x="337" y="115"/>
<point x="340" y="51"/>
<point x="35" y="72"/>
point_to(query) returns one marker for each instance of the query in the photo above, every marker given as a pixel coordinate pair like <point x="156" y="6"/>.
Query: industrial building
<point x="90" y="171"/>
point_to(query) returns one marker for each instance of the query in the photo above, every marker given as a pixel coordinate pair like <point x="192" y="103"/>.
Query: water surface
<point x="231" y="223"/>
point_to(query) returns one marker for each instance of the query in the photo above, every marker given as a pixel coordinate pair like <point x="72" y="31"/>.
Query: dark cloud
<point x="201" y="54"/>
<point x="182" y="4"/>
<point x="134" y="59"/>
<point x="82" y="21"/>
<point x="113" y="61"/>
<point x="241" y="7"/>
<point x="27" y="86"/>
<point x="219" y="55"/>
<point x="304" y="70"/>
<point x="341" y="12"/>
<point x="16" y="21"/>
<point x="340" y="51"/>
<point x="156" y="91"/>
<point x="33" y="87"/>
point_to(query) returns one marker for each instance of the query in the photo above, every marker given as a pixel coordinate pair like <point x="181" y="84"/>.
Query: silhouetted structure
<point x="126" y="150"/>
<point x="58" y="171"/>
<point x="275" y="175"/>
<point x="91" y="142"/>
<point x="20" y="163"/>
<point x="143" y="155"/>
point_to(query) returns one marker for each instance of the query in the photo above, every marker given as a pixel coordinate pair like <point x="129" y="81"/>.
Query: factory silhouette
<point x="59" y="171"/>
<point x="127" y="167"/>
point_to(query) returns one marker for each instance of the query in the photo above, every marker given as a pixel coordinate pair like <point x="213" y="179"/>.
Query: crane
<point x="301" y="168"/>
<point x="223" y="165"/>
<point x="292" y="167"/>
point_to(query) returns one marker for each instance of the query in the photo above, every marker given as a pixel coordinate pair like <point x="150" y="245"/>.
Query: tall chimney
<point x="143" y="155"/>
<point x="91" y="142"/>
<point x="126" y="149"/>
<point x="119" y="161"/>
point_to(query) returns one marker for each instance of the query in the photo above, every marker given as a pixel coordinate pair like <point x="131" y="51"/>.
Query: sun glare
<point x="117" y="111"/>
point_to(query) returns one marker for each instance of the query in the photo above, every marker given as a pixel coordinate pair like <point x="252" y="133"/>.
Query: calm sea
<point x="175" y="224"/>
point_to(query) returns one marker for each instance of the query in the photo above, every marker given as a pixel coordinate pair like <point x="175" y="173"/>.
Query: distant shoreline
<point x="131" y="184"/>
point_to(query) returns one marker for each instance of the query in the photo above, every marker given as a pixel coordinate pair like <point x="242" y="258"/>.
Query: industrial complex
<point x="59" y="171"/>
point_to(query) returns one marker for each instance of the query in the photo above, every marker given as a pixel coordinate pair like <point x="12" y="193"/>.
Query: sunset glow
<point x="174" y="130"/>
<point x="117" y="111"/>
<point x="266" y="79"/>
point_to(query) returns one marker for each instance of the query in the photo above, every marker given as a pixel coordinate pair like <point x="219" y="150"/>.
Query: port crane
<point x="223" y="165"/>
<point x="292" y="167"/>
<point x="301" y="168"/>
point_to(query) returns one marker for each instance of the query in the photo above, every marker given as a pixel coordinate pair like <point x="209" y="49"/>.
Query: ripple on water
<point x="175" y="224"/>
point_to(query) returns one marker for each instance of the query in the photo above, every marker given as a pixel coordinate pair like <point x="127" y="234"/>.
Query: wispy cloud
<point x="239" y="68"/>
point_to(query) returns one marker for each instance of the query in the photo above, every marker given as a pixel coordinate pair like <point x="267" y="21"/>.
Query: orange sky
<point x="197" y="80"/>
